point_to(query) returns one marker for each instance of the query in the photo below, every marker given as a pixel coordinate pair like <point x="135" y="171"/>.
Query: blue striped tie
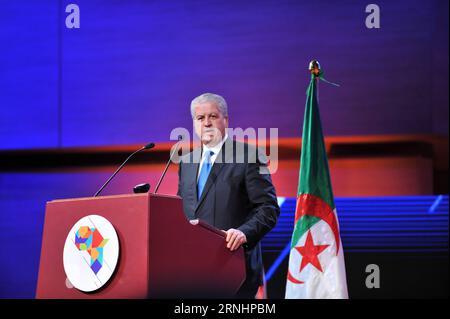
<point x="204" y="172"/>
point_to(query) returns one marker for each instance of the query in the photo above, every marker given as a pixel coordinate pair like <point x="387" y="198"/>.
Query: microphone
<point x="141" y="188"/>
<point x="168" y="163"/>
<point x="146" y="147"/>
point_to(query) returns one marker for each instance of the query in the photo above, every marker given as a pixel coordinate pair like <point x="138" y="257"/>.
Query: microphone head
<point x="149" y="145"/>
<point x="180" y="137"/>
<point x="141" y="188"/>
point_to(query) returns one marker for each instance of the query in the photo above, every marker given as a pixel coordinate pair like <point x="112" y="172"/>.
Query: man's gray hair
<point x="211" y="98"/>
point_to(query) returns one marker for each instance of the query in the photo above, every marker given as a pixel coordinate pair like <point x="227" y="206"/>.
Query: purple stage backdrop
<point x="128" y="74"/>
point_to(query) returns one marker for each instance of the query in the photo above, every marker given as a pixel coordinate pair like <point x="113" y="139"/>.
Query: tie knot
<point x="209" y="154"/>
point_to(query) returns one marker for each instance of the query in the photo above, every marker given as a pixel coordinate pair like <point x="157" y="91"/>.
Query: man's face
<point x="209" y="123"/>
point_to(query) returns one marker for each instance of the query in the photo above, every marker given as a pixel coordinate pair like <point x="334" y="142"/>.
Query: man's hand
<point x="235" y="238"/>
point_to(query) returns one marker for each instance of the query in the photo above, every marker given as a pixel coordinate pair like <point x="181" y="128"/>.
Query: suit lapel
<point x="193" y="171"/>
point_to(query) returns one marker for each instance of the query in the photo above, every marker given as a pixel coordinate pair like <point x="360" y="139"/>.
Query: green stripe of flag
<point x="314" y="172"/>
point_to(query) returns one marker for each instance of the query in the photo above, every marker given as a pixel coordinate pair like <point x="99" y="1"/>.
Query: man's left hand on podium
<point x="235" y="238"/>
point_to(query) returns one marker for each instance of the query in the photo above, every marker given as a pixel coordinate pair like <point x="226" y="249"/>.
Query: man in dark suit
<point x="227" y="184"/>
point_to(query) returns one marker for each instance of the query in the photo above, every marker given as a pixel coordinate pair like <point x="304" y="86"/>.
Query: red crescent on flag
<point x="311" y="205"/>
<point x="294" y="280"/>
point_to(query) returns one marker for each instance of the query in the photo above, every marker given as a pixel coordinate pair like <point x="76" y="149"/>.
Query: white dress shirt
<point x="216" y="149"/>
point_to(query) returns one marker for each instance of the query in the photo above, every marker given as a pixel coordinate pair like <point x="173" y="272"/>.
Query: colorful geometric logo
<point x="91" y="252"/>
<point x="90" y="240"/>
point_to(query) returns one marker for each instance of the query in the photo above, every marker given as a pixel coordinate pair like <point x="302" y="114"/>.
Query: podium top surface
<point x="114" y="196"/>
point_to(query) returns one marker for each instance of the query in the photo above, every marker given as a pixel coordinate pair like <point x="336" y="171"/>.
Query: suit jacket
<point x="238" y="194"/>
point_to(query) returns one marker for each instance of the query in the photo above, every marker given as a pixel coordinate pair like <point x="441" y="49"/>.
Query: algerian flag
<point x="316" y="260"/>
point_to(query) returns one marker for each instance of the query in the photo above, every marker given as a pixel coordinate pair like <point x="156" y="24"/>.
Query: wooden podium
<point x="162" y="255"/>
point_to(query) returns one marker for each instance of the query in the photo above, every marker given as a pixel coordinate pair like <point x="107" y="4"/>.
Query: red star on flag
<point x="310" y="253"/>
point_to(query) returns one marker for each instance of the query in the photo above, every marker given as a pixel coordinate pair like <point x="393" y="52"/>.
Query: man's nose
<point x="207" y="122"/>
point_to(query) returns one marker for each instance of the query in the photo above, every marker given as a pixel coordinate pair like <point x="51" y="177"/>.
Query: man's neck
<point x="218" y="145"/>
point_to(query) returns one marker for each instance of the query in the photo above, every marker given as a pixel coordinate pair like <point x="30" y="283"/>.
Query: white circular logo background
<point x="90" y="253"/>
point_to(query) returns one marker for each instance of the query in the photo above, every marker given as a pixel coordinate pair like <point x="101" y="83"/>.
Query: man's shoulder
<point x="246" y="152"/>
